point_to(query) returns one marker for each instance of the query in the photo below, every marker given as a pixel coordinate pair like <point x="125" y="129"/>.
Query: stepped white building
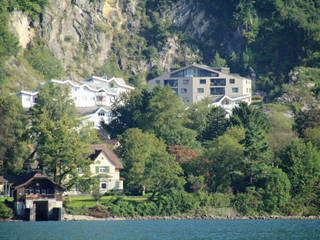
<point x="93" y="97"/>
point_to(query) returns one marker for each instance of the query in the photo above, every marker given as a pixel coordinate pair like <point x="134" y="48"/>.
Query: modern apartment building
<point x="196" y="82"/>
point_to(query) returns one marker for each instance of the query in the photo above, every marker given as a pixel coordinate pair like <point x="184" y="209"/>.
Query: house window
<point x="175" y="90"/>
<point x="101" y="114"/>
<point x="184" y="90"/>
<point x="102" y="169"/>
<point x="185" y="81"/>
<point x="218" y="82"/>
<point x="157" y="81"/>
<point x="99" y="98"/>
<point x="235" y="90"/>
<point x="231" y="81"/>
<point x="103" y="185"/>
<point x="75" y="89"/>
<point x="200" y="90"/>
<point x="217" y="91"/>
<point x="171" y="83"/>
<point x="203" y="81"/>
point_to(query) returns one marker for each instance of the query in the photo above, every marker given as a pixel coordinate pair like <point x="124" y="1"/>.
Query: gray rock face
<point x="81" y="33"/>
<point x="76" y="32"/>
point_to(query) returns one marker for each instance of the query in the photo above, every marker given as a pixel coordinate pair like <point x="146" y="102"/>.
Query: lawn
<point x="89" y="202"/>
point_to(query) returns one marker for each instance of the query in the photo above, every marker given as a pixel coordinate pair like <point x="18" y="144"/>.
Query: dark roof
<point x="23" y="180"/>
<point x="96" y="149"/>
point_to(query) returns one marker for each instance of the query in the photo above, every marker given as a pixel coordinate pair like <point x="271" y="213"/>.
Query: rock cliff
<point x="85" y="35"/>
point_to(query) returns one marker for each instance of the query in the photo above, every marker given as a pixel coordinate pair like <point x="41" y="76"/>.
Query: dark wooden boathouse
<point x="37" y="197"/>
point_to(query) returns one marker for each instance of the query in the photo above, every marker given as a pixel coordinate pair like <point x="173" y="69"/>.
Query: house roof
<point x="96" y="149"/>
<point x="23" y="180"/>
<point x="85" y="111"/>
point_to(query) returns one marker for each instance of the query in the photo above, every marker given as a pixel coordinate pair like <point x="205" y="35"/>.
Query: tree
<point x="147" y="164"/>
<point x="195" y="116"/>
<point x="129" y="111"/>
<point x="306" y="119"/>
<point x="276" y="191"/>
<point x="159" y="111"/>
<point x="301" y="161"/>
<point x="13" y="135"/>
<point x="218" y="61"/>
<point x="256" y="152"/>
<point x="243" y="115"/>
<point x="216" y="124"/>
<point x="225" y="155"/>
<point x="62" y="146"/>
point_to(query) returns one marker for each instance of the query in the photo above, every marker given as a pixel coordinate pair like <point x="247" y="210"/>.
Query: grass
<point x="2" y="199"/>
<point x="89" y="202"/>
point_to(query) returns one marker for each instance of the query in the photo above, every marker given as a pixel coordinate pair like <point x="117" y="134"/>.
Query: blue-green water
<point x="164" y="229"/>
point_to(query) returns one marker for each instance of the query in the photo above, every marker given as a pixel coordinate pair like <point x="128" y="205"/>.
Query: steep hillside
<point x="138" y="39"/>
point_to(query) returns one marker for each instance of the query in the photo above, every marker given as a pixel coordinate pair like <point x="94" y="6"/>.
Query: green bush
<point x="221" y="200"/>
<point x="175" y="202"/>
<point x="5" y="211"/>
<point x="43" y="60"/>
<point x="123" y="208"/>
<point x="247" y="204"/>
<point x="147" y="209"/>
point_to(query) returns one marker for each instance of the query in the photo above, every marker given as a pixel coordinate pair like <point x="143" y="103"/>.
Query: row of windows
<point x="217" y="91"/>
<point x="214" y="82"/>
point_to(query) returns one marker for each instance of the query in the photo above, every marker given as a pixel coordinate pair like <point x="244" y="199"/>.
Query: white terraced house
<point x="93" y="97"/>
<point x="196" y="82"/>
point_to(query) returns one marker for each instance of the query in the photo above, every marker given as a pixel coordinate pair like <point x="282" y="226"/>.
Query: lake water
<point x="163" y="229"/>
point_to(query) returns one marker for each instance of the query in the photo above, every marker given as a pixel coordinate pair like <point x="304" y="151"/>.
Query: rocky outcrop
<point x="82" y="33"/>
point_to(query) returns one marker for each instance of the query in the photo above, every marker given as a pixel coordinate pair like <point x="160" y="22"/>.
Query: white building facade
<point x="196" y="82"/>
<point x="93" y="97"/>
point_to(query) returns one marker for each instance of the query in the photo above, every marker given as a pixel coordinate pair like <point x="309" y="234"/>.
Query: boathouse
<point x="37" y="197"/>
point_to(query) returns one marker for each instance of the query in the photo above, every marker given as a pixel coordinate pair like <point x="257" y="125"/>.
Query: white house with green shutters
<point x="106" y="167"/>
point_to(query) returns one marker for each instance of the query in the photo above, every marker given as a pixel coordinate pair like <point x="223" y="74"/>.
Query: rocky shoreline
<point x="68" y="217"/>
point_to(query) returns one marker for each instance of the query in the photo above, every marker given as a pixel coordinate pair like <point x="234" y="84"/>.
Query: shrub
<point x="147" y="209"/>
<point x="247" y="204"/>
<point x="5" y="211"/>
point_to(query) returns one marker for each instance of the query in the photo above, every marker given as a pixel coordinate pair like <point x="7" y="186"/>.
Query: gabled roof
<point x="24" y="180"/>
<point x="86" y="111"/>
<point x="73" y="84"/>
<point x="119" y="81"/>
<point x="27" y="93"/>
<point x="205" y="67"/>
<point x="96" y="149"/>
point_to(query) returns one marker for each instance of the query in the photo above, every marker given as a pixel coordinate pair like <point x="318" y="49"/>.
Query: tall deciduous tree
<point x="159" y="111"/>
<point x="13" y="135"/>
<point x="147" y="164"/>
<point x="62" y="146"/>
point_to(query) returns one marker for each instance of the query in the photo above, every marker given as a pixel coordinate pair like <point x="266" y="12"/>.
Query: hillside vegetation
<point x="271" y="41"/>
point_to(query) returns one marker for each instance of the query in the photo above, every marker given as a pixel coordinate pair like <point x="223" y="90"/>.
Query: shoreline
<point x="69" y="217"/>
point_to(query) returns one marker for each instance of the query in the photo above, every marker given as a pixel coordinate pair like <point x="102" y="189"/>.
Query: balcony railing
<point x="38" y="196"/>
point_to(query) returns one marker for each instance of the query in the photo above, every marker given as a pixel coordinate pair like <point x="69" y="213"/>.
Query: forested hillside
<point x="276" y="42"/>
<point x="264" y="159"/>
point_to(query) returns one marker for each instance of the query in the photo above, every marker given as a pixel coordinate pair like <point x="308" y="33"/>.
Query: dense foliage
<point x="228" y="156"/>
<point x="61" y="146"/>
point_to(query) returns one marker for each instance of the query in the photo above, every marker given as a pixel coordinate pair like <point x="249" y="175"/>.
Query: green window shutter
<point x="97" y="169"/>
<point x="107" y="169"/>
